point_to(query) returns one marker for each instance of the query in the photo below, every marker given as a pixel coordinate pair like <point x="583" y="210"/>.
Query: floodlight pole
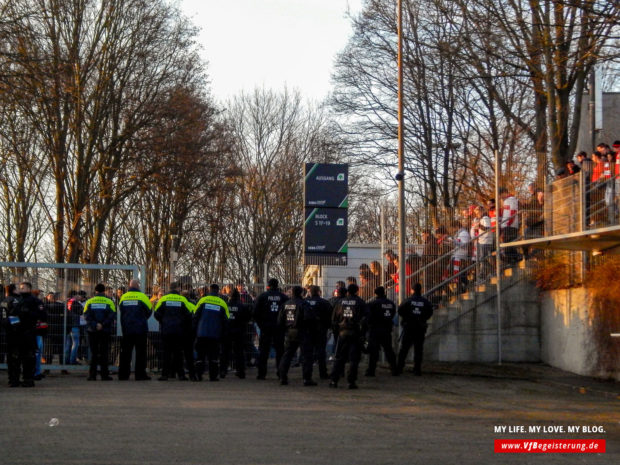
<point x="498" y="265"/>
<point x="401" y="165"/>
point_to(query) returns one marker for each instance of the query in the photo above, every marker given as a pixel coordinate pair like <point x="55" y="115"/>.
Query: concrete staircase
<point x="465" y="327"/>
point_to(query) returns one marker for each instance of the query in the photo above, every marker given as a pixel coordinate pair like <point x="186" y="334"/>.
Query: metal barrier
<point x="63" y="288"/>
<point x="577" y="203"/>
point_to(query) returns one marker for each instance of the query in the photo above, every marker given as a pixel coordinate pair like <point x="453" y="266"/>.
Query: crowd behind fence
<point x="450" y="261"/>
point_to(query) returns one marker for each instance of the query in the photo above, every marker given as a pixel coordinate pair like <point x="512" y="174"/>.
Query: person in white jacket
<point x="460" y="256"/>
<point x="509" y="226"/>
<point x="484" y="245"/>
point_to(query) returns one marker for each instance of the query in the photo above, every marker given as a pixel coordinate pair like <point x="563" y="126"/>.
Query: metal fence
<point x="577" y="203"/>
<point x="63" y="288"/>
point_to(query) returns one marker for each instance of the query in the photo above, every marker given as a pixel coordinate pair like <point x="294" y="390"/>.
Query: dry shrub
<point x="556" y="271"/>
<point x="604" y="315"/>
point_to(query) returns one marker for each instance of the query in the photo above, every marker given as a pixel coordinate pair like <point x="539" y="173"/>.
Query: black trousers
<point x="349" y="348"/>
<point x="99" y="349"/>
<point x="210" y="349"/>
<point x="21" y="359"/>
<point x="376" y="341"/>
<point x="188" y="354"/>
<point x="233" y="346"/>
<point x="174" y="346"/>
<point x="412" y="337"/>
<point x="128" y="344"/>
<point x="320" y="352"/>
<point x="292" y="343"/>
<point x="269" y="337"/>
<point x="509" y="234"/>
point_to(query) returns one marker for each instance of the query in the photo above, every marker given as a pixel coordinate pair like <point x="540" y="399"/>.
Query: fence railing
<point x="63" y="288"/>
<point x="577" y="203"/>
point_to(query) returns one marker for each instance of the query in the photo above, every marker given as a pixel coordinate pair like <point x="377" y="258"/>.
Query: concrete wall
<point x="468" y="330"/>
<point x="567" y="333"/>
<point x="556" y="327"/>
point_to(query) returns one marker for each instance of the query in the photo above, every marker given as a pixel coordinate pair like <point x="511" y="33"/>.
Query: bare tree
<point x="92" y="74"/>
<point x="437" y="120"/>
<point x="184" y="158"/>
<point x="275" y="134"/>
<point x="548" y="47"/>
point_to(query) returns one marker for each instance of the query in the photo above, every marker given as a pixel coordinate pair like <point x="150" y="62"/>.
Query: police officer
<point x="20" y="315"/>
<point x="349" y="322"/>
<point x="414" y="312"/>
<point x="381" y="311"/>
<point x="266" y="310"/>
<point x="99" y="312"/>
<point x="297" y="320"/>
<point x="322" y="311"/>
<point x="135" y="309"/>
<point x="210" y="321"/>
<point x="239" y="315"/>
<point x="174" y="313"/>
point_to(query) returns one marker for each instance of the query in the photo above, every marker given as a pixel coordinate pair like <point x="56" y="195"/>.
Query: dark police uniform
<point x="210" y="322"/>
<point x="292" y="318"/>
<point x="321" y="311"/>
<point x="135" y="309"/>
<point x="268" y="306"/>
<point x="415" y="312"/>
<point x="349" y="321"/>
<point x="380" y="323"/>
<point x="174" y="313"/>
<point x="19" y="318"/>
<point x="239" y="315"/>
<point x="99" y="310"/>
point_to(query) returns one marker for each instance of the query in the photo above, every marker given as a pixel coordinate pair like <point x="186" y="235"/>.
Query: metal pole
<point x="498" y="267"/>
<point x="63" y="362"/>
<point x="592" y="109"/>
<point x="382" y="221"/>
<point x="401" y="164"/>
<point x="142" y="276"/>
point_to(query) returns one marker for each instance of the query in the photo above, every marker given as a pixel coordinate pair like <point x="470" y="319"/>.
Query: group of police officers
<point x="202" y="336"/>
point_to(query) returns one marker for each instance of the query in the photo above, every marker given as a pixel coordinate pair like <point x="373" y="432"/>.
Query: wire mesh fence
<point x="64" y="288"/>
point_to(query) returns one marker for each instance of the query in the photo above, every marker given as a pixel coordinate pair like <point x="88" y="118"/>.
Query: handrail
<point x="443" y="257"/>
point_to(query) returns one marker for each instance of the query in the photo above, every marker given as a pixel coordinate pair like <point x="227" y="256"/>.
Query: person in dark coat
<point x="20" y="313"/>
<point x="56" y="320"/>
<point x="298" y="322"/>
<point x="414" y="312"/>
<point x="266" y="310"/>
<point x="239" y="315"/>
<point x="322" y="310"/>
<point x="174" y="313"/>
<point x="100" y="313"/>
<point x="380" y="322"/>
<point x="210" y="321"/>
<point x="349" y="321"/>
<point x="135" y="309"/>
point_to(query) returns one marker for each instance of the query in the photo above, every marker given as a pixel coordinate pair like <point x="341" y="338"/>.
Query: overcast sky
<point x="271" y="43"/>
